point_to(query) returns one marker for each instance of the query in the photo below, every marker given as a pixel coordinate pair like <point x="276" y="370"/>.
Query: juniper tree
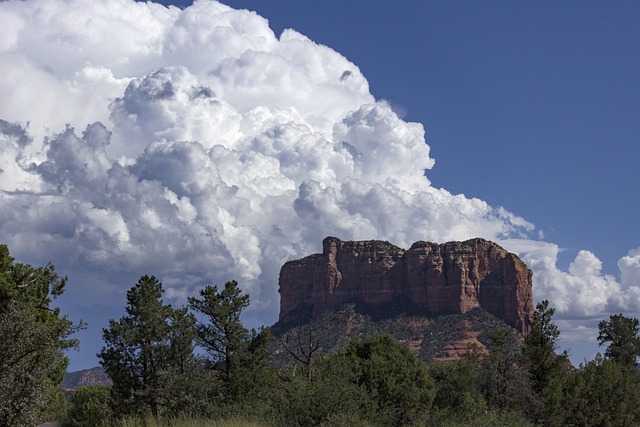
<point x="392" y="375"/>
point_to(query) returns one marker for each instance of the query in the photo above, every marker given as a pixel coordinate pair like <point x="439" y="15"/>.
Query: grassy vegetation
<point x="184" y="421"/>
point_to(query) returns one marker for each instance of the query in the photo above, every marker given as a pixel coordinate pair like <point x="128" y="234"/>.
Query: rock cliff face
<point x="93" y="376"/>
<point x="429" y="278"/>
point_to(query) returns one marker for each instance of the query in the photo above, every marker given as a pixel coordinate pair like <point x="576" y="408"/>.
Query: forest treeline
<point x="200" y="363"/>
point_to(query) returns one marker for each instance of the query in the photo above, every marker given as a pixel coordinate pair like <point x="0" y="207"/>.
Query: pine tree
<point x="144" y="347"/>
<point x="223" y="334"/>
<point x="240" y="357"/>
<point x="547" y="369"/>
<point x="623" y="334"/>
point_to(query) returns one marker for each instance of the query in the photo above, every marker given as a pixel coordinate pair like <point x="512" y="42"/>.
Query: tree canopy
<point x="33" y="338"/>
<point x="622" y="334"/>
<point x="222" y="334"/>
<point x="237" y="354"/>
<point x="144" y="347"/>
<point x="393" y="374"/>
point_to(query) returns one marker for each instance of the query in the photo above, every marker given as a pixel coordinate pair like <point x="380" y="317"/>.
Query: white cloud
<point x="629" y="266"/>
<point x="196" y="145"/>
<point x="582" y="292"/>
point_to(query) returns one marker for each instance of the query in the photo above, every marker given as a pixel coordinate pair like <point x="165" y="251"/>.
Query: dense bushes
<point x="89" y="406"/>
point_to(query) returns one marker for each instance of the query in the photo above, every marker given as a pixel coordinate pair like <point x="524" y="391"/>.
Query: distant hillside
<point x="440" y="337"/>
<point x="93" y="376"/>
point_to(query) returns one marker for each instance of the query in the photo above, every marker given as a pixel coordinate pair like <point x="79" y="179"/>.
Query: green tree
<point x="330" y="396"/>
<point x="222" y="334"/>
<point x="33" y="338"/>
<point x="144" y="347"/>
<point x="89" y="406"/>
<point x="57" y="408"/>
<point x="237" y="358"/>
<point x="388" y="370"/>
<point x="540" y="347"/>
<point x="458" y="396"/>
<point x="601" y="393"/>
<point x="504" y="374"/>
<point x="547" y="369"/>
<point x="181" y="335"/>
<point x="622" y="333"/>
<point x="194" y="392"/>
<point x="254" y="376"/>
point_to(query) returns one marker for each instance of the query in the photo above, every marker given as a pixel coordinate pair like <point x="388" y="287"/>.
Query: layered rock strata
<point x="428" y="278"/>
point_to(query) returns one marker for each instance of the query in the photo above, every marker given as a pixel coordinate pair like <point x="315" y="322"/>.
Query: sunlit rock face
<point x="430" y="278"/>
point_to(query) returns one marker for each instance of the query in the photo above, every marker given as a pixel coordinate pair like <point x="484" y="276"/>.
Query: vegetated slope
<point x="441" y="337"/>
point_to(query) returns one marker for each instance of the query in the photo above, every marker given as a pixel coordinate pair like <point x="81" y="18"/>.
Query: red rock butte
<point x="429" y="279"/>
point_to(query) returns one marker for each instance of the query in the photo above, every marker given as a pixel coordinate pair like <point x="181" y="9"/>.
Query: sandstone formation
<point x="429" y="279"/>
<point x="457" y="348"/>
<point x="85" y="377"/>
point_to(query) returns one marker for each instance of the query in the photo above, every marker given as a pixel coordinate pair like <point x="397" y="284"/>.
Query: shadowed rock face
<point x="429" y="278"/>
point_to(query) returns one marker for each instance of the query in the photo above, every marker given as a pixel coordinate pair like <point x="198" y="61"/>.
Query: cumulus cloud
<point x="630" y="267"/>
<point x="197" y="145"/>
<point x="583" y="292"/>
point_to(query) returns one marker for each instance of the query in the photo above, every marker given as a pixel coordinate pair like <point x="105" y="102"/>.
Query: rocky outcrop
<point x="428" y="278"/>
<point x="93" y="376"/>
<point x="463" y="345"/>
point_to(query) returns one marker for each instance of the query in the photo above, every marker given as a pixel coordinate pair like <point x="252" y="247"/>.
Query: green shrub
<point x="89" y="406"/>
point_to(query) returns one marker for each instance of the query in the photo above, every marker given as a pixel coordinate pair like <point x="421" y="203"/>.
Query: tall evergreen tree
<point x="144" y="347"/>
<point x="505" y="377"/>
<point x="222" y="334"/>
<point x="623" y="335"/>
<point x="33" y="338"/>
<point x="547" y="369"/>
<point x="240" y="357"/>
<point x="540" y="348"/>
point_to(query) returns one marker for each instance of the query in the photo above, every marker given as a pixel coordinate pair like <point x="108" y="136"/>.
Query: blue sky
<point x="205" y="145"/>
